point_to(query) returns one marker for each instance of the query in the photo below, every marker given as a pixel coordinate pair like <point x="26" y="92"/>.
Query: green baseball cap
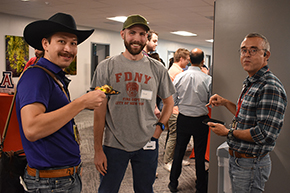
<point x="135" y="20"/>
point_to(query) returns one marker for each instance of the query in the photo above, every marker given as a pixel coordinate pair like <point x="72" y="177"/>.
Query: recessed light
<point x="25" y="0"/>
<point x="118" y="18"/>
<point x="183" y="33"/>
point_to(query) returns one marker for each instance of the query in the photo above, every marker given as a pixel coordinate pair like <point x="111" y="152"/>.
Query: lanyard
<point x="241" y="99"/>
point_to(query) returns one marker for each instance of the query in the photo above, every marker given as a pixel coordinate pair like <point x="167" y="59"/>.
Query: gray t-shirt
<point x="130" y="115"/>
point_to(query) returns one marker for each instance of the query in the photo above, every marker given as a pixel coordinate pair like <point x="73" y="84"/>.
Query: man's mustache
<point x="66" y="54"/>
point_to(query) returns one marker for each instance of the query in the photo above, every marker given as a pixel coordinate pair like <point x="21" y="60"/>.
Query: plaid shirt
<point x="262" y="111"/>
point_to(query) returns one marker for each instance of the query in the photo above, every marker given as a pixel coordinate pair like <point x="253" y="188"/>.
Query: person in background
<point x="149" y="50"/>
<point x="258" y="118"/>
<point x="204" y="69"/>
<point x="181" y="59"/>
<point x="132" y="129"/>
<point x="192" y="94"/>
<point x="159" y="103"/>
<point x="44" y="110"/>
<point x="156" y="56"/>
<point x="34" y="60"/>
<point x="171" y="61"/>
<point x="151" y="43"/>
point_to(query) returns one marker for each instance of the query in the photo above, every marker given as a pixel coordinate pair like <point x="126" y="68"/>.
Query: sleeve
<point x="166" y="88"/>
<point x="209" y="86"/>
<point x="175" y="96"/>
<point x="101" y="75"/>
<point x="272" y="104"/>
<point x="34" y="86"/>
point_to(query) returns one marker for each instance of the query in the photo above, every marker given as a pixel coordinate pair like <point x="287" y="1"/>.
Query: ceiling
<point x="164" y="16"/>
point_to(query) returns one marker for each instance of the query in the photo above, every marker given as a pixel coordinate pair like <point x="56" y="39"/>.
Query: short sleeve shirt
<point x="60" y="148"/>
<point x="130" y="115"/>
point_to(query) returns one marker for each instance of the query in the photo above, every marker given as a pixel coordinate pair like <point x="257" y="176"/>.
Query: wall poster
<point x="16" y="53"/>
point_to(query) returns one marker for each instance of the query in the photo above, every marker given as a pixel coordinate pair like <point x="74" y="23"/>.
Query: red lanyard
<point x="241" y="100"/>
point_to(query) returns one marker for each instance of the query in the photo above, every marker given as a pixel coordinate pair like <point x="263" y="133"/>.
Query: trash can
<point x="224" y="182"/>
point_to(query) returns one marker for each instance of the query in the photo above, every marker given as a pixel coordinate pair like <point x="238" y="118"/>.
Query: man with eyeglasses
<point x="258" y="118"/>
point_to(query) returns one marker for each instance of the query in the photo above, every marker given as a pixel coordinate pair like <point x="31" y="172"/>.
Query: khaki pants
<point x="171" y="141"/>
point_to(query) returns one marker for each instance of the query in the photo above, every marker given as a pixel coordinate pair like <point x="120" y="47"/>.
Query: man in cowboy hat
<point x="44" y="110"/>
<point x="132" y="129"/>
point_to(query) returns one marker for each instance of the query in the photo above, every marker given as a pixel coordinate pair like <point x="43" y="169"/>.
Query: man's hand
<point x="100" y="161"/>
<point x="204" y="70"/>
<point x="218" y="129"/>
<point x="216" y="100"/>
<point x="93" y="99"/>
<point x="157" y="112"/>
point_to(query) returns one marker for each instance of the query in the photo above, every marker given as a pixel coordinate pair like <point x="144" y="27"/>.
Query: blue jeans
<point x="144" y="165"/>
<point x="68" y="184"/>
<point x="249" y="175"/>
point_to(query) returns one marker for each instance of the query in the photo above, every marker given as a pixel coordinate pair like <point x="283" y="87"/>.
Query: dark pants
<point x="144" y="165"/>
<point x="187" y="127"/>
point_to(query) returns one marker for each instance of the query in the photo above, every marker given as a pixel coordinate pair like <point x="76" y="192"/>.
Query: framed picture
<point x="72" y="69"/>
<point x="16" y="53"/>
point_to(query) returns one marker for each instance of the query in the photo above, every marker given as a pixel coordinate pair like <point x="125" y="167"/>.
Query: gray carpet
<point x="90" y="176"/>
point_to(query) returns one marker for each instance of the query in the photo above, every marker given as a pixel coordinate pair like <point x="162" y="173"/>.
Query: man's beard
<point x="131" y="50"/>
<point x="150" y="48"/>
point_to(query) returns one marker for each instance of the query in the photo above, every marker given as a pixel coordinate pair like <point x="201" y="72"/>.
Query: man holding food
<point x="132" y="129"/>
<point x="44" y="110"/>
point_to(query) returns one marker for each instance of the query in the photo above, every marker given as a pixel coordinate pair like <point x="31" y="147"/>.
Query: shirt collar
<point x="177" y="66"/>
<point x="249" y="80"/>
<point x="55" y="69"/>
<point x="49" y="65"/>
<point x="194" y="68"/>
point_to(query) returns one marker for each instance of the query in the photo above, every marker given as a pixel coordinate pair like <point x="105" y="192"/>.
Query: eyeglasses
<point x="252" y="51"/>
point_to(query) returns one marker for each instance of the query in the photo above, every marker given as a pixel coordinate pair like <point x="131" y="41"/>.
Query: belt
<point x="243" y="155"/>
<point x="57" y="173"/>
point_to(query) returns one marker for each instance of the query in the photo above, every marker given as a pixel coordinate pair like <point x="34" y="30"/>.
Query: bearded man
<point x="132" y="129"/>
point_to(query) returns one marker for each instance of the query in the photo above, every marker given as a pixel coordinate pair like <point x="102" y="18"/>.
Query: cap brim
<point x="145" y="26"/>
<point x="36" y="31"/>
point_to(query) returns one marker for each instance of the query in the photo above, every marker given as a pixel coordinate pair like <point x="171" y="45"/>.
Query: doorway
<point x="99" y="53"/>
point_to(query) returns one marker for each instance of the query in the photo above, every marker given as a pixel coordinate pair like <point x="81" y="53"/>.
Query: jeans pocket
<point x="244" y="163"/>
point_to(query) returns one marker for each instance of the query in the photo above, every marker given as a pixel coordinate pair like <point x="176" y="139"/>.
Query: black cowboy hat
<point x="60" y="22"/>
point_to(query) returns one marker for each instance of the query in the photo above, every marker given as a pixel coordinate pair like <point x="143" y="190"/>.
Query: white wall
<point x="14" y="25"/>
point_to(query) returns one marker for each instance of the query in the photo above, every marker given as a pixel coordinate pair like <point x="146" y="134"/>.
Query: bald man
<point x="192" y="94"/>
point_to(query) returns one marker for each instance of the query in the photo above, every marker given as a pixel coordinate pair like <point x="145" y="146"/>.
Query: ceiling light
<point x="118" y="18"/>
<point x="183" y="33"/>
<point x="210" y="41"/>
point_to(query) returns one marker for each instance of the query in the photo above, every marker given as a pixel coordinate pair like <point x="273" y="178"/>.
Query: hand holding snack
<point x="108" y="90"/>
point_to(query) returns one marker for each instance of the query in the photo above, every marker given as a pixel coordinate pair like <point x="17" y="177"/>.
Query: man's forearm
<point x="99" y="125"/>
<point x="230" y="106"/>
<point x="166" y="110"/>
<point x="244" y="135"/>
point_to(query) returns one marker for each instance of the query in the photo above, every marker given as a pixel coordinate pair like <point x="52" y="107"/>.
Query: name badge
<point x="146" y="94"/>
<point x="151" y="145"/>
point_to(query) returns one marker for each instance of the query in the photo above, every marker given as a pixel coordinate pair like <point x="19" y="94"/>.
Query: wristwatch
<point x="162" y="126"/>
<point x="231" y="134"/>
